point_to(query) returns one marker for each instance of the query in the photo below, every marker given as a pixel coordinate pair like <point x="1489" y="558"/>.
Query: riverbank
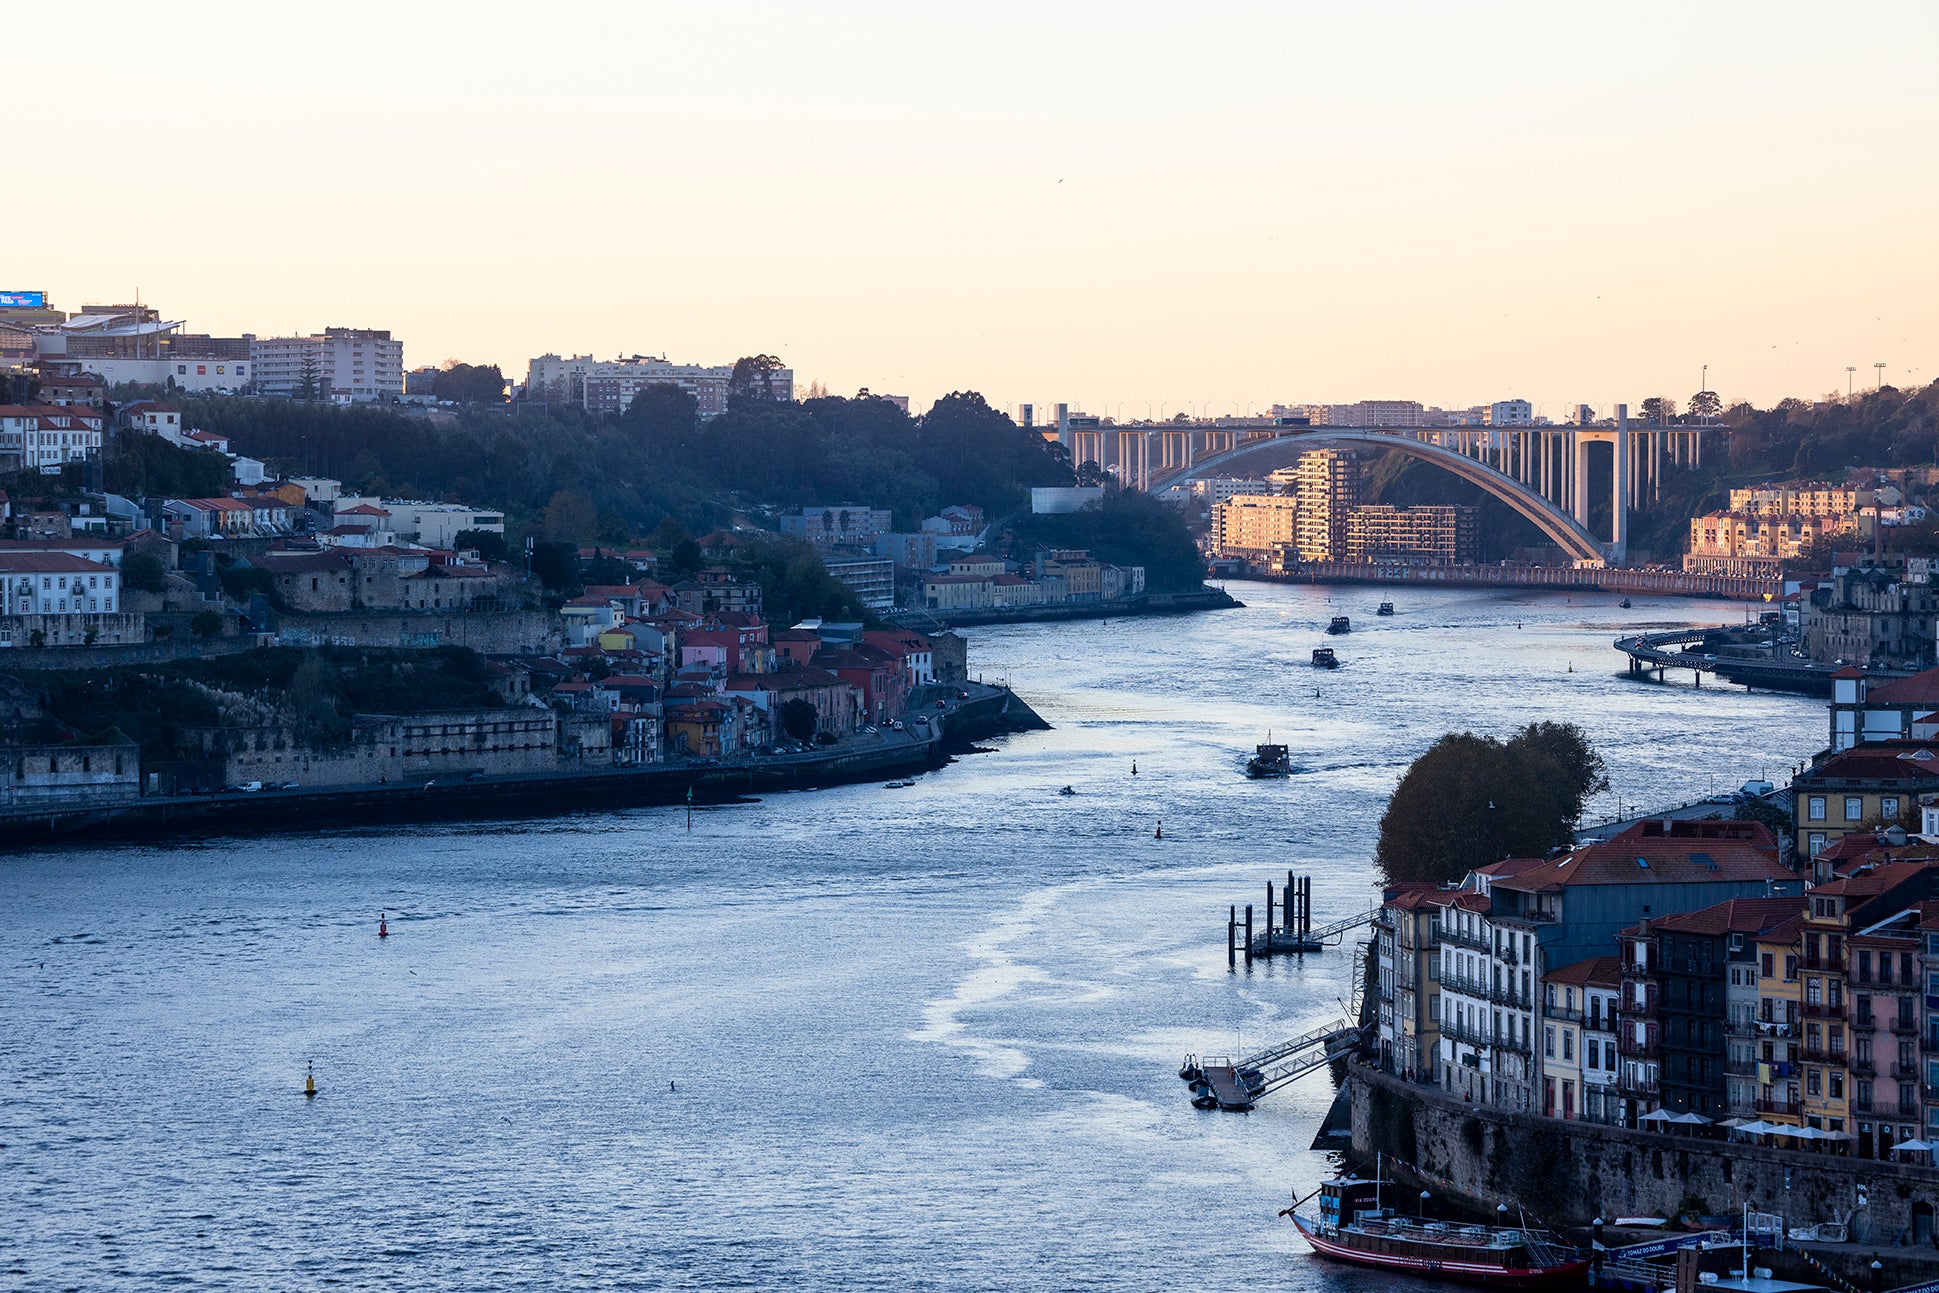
<point x="927" y="743"/>
<point x="1205" y="599"/>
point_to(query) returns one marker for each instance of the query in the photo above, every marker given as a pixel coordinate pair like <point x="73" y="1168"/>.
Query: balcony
<point x="1862" y="1065"/>
<point x="1904" y="1069"/>
<point x="1741" y="1068"/>
<point x="1473" y="942"/>
<point x="1454" y="1030"/>
<point x="1628" y="1045"/>
<point x="1508" y="996"/>
<point x="1463" y="985"/>
<point x="1811" y="1055"/>
<point x="1863" y="1023"/>
<point x="1788" y="1108"/>
<point x="1563" y="1013"/>
<point x="1639" y="1086"/>
<point x="1929" y="1043"/>
<point x="1823" y="1010"/>
<point x="1905" y="1026"/>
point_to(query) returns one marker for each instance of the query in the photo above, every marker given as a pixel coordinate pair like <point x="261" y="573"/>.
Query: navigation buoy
<point x="1134" y="767"/>
<point x="1159" y="834"/>
<point x="383" y="928"/>
<point x="309" y="1082"/>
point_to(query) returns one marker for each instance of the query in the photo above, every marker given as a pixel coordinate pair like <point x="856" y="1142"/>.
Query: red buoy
<point x="1159" y="834"/>
<point x="383" y="929"/>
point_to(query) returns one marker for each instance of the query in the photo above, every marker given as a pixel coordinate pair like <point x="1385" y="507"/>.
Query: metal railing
<point x="1816" y="1055"/>
<point x="1788" y="1107"/>
<point x="1473" y="942"/>
<point x="1905" y="1025"/>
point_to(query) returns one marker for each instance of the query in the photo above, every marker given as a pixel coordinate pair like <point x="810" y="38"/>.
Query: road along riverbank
<point x="927" y="742"/>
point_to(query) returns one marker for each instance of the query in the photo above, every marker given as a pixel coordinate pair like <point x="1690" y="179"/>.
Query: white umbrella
<point x="1656" y="1115"/>
<point x="1913" y="1146"/>
<point x="1757" y="1127"/>
<point x="1734" y="1123"/>
<point x="1691" y="1119"/>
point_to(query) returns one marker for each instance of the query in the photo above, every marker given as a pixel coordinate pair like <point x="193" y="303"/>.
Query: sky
<point x="1131" y="208"/>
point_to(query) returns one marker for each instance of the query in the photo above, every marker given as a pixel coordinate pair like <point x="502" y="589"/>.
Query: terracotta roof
<point x="1870" y="882"/>
<point x="1509" y="866"/>
<point x="1920" y="689"/>
<point x="1602" y="971"/>
<point x="1733" y="916"/>
<point x="1878" y="761"/>
<point x="49" y="563"/>
<point x="1659" y="852"/>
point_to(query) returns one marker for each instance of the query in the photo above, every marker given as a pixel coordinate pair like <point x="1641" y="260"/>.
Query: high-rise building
<point x="1252" y="526"/>
<point x="340" y="365"/>
<point x="1327" y="487"/>
<point x="1417" y="536"/>
<point x="1377" y="413"/>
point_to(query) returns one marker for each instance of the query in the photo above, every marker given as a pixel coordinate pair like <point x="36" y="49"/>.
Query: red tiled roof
<point x="1920" y="689"/>
<point x="1733" y="916"/>
<point x="1879" y="761"/>
<point x="1658" y="852"/>
<point x="1601" y="971"/>
<point x="1870" y="883"/>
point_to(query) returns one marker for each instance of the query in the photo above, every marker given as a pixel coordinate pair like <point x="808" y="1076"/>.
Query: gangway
<point x="1237" y="1085"/>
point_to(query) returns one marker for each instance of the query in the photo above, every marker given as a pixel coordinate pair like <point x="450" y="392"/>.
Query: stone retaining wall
<point x="1573" y="1172"/>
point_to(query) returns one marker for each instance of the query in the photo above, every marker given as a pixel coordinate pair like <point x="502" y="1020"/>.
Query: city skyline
<point x="1255" y="206"/>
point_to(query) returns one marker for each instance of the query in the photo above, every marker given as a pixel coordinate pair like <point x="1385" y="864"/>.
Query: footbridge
<point x="1237" y="1085"/>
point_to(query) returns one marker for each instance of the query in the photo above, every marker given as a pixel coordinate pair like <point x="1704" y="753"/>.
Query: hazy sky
<point x="1109" y="204"/>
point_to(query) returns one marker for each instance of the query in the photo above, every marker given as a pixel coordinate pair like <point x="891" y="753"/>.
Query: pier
<point x="1732" y="657"/>
<point x="1294" y="935"/>
<point x="1234" y="1086"/>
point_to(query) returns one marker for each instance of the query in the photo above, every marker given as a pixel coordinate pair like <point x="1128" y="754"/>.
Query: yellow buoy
<point x="309" y="1082"/>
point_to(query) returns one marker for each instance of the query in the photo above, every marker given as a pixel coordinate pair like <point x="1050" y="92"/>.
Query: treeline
<point x="621" y="476"/>
<point x="1888" y="427"/>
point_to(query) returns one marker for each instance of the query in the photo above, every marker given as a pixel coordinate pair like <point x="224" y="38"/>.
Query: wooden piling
<point x="1269" y="907"/>
<point x="1231" y="923"/>
<point x="1248" y="933"/>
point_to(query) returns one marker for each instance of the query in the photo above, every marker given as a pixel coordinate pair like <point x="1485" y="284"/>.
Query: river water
<point x="847" y="1039"/>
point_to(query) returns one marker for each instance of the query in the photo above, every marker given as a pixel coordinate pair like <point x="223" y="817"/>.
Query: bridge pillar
<point x="1578" y="498"/>
<point x="1619" y="500"/>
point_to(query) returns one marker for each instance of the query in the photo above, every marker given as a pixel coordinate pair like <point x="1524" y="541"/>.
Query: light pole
<point x="1879" y="384"/>
<point x="1851" y="375"/>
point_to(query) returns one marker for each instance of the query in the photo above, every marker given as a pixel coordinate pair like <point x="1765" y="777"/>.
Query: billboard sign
<point x="23" y="300"/>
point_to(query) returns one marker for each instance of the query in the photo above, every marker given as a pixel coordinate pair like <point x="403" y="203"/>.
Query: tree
<point x="1473" y="800"/>
<point x="799" y="720"/>
<point x="1706" y="405"/>
<point x="469" y="383"/>
<point x="143" y="572"/>
<point x="663" y="419"/>
<point x="753" y="378"/>
<point x="556" y="565"/>
<point x="1659" y="410"/>
<point x="206" y="624"/>
<point x="309" y="382"/>
<point x="490" y="544"/>
<point x="570" y="517"/>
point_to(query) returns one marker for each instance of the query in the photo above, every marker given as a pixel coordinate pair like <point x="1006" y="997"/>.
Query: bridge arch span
<point x="1568" y="534"/>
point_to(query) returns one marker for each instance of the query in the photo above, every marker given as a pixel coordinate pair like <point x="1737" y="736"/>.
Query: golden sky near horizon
<point x="1122" y="206"/>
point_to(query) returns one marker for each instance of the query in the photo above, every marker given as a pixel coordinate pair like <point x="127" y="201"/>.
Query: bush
<point x="206" y="624"/>
<point x="143" y="572"/>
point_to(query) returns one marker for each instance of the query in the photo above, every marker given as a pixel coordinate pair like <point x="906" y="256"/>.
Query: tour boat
<point x="1351" y="1226"/>
<point x="1340" y="624"/>
<point x="1386" y="608"/>
<point x="1270" y="761"/>
<point x="1323" y="658"/>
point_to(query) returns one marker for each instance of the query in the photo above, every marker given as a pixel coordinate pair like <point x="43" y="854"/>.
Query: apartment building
<point x="1415" y="536"/>
<point x="1326" y="490"/>
<point x="1253" y="526"/>
<point x="609" y="386"/>
<point x="338" y="365"/>
<point x="1377" y="413"/>
<point x="1407" y="945"/>
<point x="1579" y="1064"/>
<point x="1860" y="790"/>
<point x="44" y="437"/>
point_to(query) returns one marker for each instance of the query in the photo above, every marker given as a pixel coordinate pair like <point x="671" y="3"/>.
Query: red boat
<point x="1351" y="1226"/>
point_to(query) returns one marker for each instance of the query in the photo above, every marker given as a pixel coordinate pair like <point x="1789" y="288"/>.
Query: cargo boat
<point x="1351" y="1226"/>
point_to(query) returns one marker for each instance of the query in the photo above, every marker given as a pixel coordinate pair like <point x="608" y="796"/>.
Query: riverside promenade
<point x="1607" y="579"/>
<point x="928" y="738"/>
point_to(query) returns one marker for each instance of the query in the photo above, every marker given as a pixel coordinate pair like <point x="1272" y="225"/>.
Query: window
<point x="1790" y="968"/>
<point x="1765" y="965"/>
<point x="1854" y="808"/>
<point x="1568" y="1043"/>
<point x="1815" y="808"/>
<point x="1888" y="807"/>
<point x="1548" y="1042"/>
<point x="1816" y="844"/>
<point x="1813" y="1082"/>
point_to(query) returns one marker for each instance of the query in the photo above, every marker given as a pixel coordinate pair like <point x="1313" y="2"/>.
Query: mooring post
<point x="1595" y="1247"/>
<point x="1248" y="933"/>
<point x="1291" y="924"/>
<point x="1231" y="922"/>
<point x="1269" y="907"/>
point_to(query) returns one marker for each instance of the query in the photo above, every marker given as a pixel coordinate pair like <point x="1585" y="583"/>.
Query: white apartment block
<point x="608" y="386"/>
<point x="1511" y="413"/>
<point x="340" y="365"/>
<point x="57" y="583"/>
<point x="1487" y="1006"/>
<point x="437" y="525"/>
<point x="44" y="436"/>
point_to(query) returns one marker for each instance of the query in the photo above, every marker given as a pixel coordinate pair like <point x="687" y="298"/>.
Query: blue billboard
<point x="23" y="300"/>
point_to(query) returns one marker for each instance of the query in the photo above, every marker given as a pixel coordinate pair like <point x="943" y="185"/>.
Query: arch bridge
<point x="1566" y="531"/>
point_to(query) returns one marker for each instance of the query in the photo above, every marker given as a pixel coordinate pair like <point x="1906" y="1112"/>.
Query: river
<point x="846" y="1039"/>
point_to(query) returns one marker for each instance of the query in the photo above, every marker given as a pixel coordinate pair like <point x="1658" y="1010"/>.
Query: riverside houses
<point x="1407" y="941"/>
<point x="1508" y="926"/>
<point x="1579" y="1040"/>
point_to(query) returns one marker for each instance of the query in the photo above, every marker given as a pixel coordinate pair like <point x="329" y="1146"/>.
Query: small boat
<point x="1067" y="791"/>
<point x="1351" y="1226"/>
<point x="1323" y="658"/>
<point x="1340" y="624"/>
<point x="903" y="784"/>
<point x="1624" y="603"/>
<point x="1270" y="761"/>
<point x="1386" y="608"/>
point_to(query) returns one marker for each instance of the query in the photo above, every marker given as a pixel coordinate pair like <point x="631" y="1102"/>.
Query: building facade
<point x="338" y="365"/>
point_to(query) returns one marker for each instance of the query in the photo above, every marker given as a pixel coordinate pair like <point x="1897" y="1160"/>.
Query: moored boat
<point x="1351" y="1226"/>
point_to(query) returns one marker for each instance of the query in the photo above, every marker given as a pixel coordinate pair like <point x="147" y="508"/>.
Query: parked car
<point x="290" y="785"/>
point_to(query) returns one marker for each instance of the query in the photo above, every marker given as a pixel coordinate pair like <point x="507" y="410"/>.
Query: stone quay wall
<point x="486" y="632"/>
<point x="1572" y="1172"/>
